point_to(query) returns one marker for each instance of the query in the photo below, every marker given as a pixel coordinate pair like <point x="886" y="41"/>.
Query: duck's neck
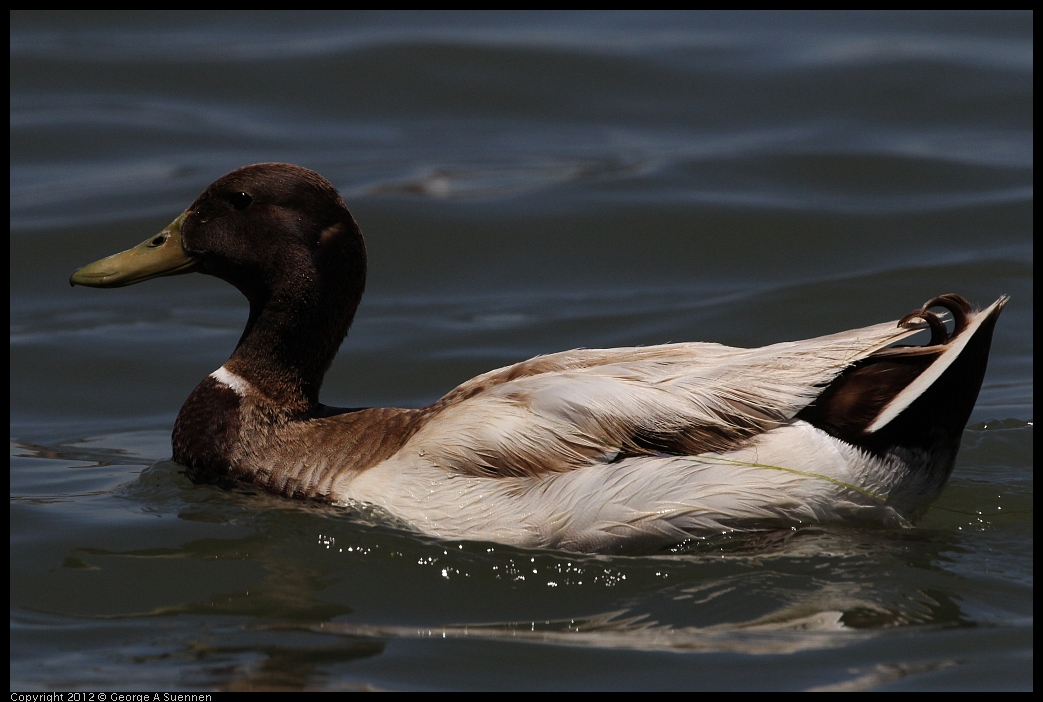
<point x="290" y="341"/>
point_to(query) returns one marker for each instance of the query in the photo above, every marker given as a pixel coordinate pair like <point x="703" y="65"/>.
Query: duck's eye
<point x="240" y="201"/>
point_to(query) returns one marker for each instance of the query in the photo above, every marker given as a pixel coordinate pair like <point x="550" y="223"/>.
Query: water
<point x="526" y="183"/>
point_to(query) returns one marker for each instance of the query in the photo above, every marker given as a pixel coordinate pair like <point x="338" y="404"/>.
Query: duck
<point x="587" y="450"/>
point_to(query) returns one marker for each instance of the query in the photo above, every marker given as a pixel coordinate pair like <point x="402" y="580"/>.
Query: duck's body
<point x="582" y="450"/>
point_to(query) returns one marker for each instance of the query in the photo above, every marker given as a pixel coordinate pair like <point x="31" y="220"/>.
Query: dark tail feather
<point x="913" y="402"/>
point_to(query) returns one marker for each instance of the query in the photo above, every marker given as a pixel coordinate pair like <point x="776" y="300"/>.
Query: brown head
<point x="282" y="235"/>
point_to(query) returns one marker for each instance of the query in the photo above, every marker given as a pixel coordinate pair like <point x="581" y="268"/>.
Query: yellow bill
<point x="159" y="255"/>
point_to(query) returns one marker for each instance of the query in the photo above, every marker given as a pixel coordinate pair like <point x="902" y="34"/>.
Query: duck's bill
<point x="160" y="255"/>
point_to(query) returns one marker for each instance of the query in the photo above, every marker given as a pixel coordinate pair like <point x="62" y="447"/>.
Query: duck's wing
<point x="564" y="411"/>
<point x="568" y="410"/>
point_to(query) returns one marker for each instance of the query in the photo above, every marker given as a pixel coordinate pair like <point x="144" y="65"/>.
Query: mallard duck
<point x="584" y="450"/>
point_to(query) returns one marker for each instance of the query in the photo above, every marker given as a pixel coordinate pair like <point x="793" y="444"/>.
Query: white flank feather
<point x="793" y="474"/>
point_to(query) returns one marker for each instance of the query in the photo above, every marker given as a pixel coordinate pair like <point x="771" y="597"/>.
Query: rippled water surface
<point x="526" y="183"/>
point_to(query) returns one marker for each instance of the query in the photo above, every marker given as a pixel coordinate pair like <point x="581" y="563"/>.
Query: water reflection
<point x="292" y="591"/>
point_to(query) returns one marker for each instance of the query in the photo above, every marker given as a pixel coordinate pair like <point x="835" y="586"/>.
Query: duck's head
<point x="258" y="227"/>
<point x="282" y="235"/>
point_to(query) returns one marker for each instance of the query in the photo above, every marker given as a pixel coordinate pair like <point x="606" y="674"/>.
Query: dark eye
<point x="240" y="201"/>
